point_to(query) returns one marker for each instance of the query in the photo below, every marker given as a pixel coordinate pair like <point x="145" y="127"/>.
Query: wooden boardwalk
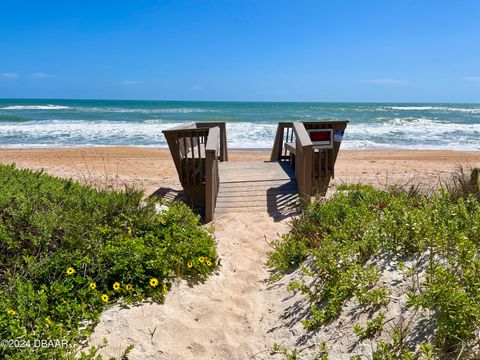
<point x="257" y="187"/>
<point x="199" y="151"/>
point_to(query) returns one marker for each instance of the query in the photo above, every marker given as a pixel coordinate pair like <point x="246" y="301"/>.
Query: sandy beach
<point x="236" y="313"/>
<point x="150" y="169"/>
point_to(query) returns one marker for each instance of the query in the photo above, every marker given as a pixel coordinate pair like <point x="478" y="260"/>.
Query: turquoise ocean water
<point x="71" y="123"/>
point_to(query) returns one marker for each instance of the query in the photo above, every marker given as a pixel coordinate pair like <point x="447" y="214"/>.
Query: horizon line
<point x="253" y="101"/>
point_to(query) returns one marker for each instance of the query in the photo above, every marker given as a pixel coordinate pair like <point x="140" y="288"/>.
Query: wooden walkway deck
<point x="256" y="187"/>
<point x="216" y="186"/>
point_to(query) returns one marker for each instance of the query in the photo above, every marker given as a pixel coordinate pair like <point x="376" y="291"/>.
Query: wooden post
<point x="223" y="156"/>
<point x="211" y="167"/>
<point x="278" y="144"/>
<point x="304" y="159"/>
<point x="209" y="207"/>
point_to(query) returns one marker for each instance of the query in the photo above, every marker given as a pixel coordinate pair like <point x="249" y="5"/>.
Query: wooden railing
<point x="314" y="165"/>
<point x="212" y="182"/>
<point x="187" y="146"/>
<point x="196" y="149"/>
<point x="323" y="162"/>
<point x="223" y="155"/>
<point x="303" y="161"/>
<point x="285" y="134"/>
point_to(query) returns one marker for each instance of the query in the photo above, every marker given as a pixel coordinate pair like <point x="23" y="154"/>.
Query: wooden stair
<point x="257" y="187"/>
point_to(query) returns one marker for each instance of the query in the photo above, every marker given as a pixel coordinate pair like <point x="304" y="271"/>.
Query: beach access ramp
<point x="301" y="165"/>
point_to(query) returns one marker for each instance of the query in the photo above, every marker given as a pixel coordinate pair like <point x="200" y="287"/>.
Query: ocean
<point x="72" y="123"/>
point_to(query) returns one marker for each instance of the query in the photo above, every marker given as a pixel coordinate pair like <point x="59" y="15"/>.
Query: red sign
<point x="320" y="135"/>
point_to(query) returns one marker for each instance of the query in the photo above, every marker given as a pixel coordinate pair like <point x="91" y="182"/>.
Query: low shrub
<point x="67" y="251"/>
<point x="343" y="236"/>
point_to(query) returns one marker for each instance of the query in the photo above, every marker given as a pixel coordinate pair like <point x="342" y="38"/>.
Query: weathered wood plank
<point x="256" y="187"/>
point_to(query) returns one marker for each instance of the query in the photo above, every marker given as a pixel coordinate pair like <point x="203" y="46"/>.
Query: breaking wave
<point x="35" y="107"/>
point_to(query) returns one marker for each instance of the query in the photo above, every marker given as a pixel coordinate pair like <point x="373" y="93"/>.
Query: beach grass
<point x="346" y="245"/>
<point x="68" y="251"/>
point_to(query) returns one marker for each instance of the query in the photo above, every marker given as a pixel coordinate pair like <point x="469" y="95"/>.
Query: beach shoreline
<point x="43" y="123"/>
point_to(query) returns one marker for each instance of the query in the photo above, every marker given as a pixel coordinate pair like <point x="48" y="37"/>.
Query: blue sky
<point x="260" y="50"/>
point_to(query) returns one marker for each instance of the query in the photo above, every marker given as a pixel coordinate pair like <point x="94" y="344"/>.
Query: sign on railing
<point x="312" y="149"/>
<point x="321" y="138"/>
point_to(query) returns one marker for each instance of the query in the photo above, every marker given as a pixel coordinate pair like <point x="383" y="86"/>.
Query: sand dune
<point x="236" y="313"/>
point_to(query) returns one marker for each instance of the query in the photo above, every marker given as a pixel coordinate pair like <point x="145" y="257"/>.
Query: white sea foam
<point x="73" y="132"/>
<point x="411" y="107"/>
<point x="250" y="135"/>
<point x="475" y="110"/>
<point x="413" y="133"/>
<point x="35" y="107"/>
<point x="366" y="145"/>
<point x="414" y="129"/>
<point x="148" y="133"/>
<point x="107" y="109"/>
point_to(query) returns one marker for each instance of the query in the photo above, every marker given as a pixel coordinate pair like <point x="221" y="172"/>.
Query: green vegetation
<point x="67" y="251"/>
<point x="373" y="327"/>
<point x="439" y="235"/>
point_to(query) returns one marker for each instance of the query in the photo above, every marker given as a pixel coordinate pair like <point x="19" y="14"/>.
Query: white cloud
<point x="9" y="75"/>
<point x="132" y="82"/>
<point x="39" y="75"/>
<point x="472" y="78"/>
<point x="387" y="82"/>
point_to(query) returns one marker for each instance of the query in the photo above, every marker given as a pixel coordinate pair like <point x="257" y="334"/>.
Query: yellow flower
<point x="70" y="271"/>
<point x="165" y="288"/>
<point x="116" y="286"/>
<point x="11" y="312"/>
<point x="153" y="282"/>
<point x="209" y="263"/>
<point x="48" y="321"/>
<point x="190" y="264"/>
<point x="129" y="287"/>
<point x="105" y="298"/>
<point x="93" y="285"/>
<point x="201" y="259"/>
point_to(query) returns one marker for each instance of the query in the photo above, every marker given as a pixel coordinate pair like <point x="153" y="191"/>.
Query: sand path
<point x="227" y="317"/>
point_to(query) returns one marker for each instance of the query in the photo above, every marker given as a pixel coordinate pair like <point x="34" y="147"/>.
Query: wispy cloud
<point x="387" y="82"/>
<point x="132" y="82"/>
<point x="472" y="78"/>
<point x="39" y="75"/>
<point x="9" y="75"/>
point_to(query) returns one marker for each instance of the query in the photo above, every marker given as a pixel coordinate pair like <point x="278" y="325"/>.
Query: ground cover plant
<point x="67" y="251"/>
<point x="438" y="236"/>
